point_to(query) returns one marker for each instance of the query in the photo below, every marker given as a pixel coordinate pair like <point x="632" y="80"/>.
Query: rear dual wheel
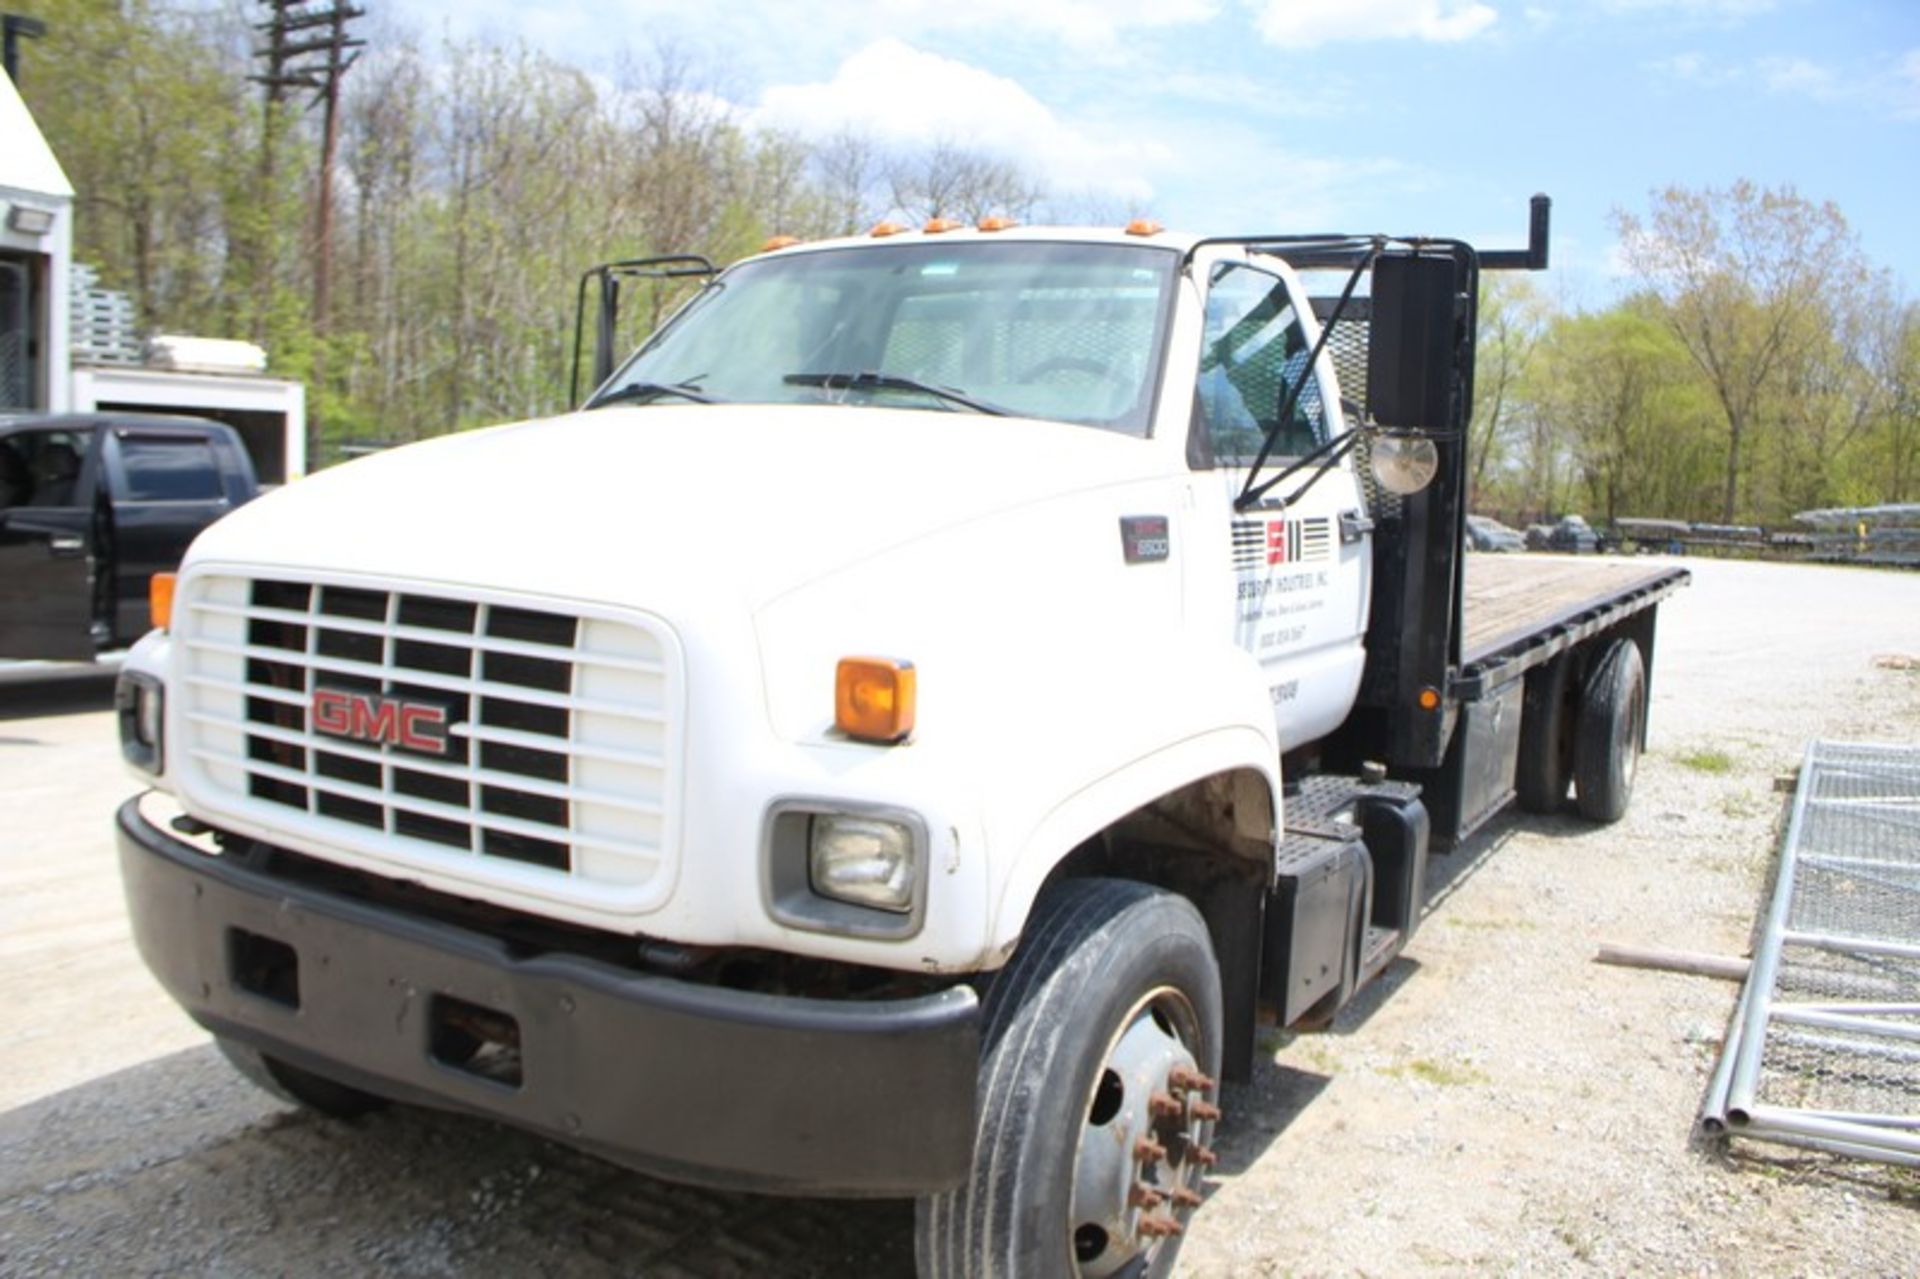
<point x="1613" y="719"/>
<point x="1102" y="1038"/>
<point x="1584" y="733"/>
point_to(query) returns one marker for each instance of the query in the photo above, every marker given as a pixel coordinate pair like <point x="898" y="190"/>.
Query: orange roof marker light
<point x="935" y="226"/>
<point x="996" y="224"/>
<point x="775" y="243"/>
<point x="881" y="230"/>
<point x="1144" y="226"/>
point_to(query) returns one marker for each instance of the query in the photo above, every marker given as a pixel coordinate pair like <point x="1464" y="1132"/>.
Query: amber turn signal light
<point x="873" y="699"/>
<point x="160" y="600"/>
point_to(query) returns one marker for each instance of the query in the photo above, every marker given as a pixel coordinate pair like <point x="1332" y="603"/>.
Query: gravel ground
<point x="1499" y="1103"/>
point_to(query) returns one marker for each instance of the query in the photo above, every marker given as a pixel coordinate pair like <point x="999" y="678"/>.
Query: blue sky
<point x="1240" y="116"/>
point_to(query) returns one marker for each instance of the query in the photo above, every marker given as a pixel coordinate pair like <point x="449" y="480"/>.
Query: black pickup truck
<point x="91" y="506"/>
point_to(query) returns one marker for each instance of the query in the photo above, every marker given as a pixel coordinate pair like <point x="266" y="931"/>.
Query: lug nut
<point x="1159" y="1227"/>
<point x="1182" y="1079"/>
<point x="1141" y="1195"/>
<point x="1164" y="1106"/>
<point x="1184" y="1198"/>
<point x="1205" y="1112"/>
<point x="1202" y="1155"/>
<point x="1149" y="1151"/>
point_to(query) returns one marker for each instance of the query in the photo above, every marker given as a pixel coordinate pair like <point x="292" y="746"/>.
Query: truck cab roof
<point x="1179" y="242"/>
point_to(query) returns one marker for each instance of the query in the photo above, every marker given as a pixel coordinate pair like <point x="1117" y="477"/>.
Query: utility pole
<point x="15" y="27"/>
<point x="308" y="47"/>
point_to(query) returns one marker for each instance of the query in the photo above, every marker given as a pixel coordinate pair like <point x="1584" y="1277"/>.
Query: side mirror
<point x="1413" y="341"/>
<point x="1402" y="462"/>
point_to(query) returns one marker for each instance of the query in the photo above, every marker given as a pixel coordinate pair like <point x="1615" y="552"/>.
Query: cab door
<point x="46" y="542"/>
<point x="167" y="484"/>
<point x="1302" y="556"/>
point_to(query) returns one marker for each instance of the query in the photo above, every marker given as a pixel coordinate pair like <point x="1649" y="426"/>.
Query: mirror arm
<point x="1324" y="457"/>
<point x="1248" y="493"/>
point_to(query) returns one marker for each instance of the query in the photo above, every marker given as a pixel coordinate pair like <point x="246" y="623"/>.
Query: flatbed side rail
<point x="1483" y="672"/>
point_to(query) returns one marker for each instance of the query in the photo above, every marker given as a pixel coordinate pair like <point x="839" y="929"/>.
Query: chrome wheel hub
<point x="1143" y="1154"/>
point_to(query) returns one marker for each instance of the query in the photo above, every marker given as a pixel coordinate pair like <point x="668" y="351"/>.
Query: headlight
<point x="859" y="870"/>
<point x="139" y="703"/>
<point x="865" y="860"/>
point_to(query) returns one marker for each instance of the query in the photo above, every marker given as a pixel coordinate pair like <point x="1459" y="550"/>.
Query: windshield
<point x="1064" y="331"/>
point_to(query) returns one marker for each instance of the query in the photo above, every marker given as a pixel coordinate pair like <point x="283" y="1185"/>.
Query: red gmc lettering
<point x="369" y="717"/>
<point x="423" y="728"/>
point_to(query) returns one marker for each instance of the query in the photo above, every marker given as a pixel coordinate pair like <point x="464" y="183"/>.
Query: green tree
<point x="1512" y="318"/>
<point x="1746" y="278"/>
<point x="1636" y="424"/>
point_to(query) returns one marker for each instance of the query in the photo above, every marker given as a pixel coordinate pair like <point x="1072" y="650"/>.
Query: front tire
<point x="1100" y="1043"/>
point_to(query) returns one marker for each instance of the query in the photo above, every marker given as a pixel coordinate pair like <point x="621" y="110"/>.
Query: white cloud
<point x="1248" y="95"/>
<point x="904" y="97"/>
<point x="1798" y="75"/>
<point x="1730" y="10"/>
<point x="1694" y="68"/>
<point x="1907" y="86"/>
<point x="1089" y="27"/>
<point x="1086" y="24"/>
<point x="1302" y="24"/>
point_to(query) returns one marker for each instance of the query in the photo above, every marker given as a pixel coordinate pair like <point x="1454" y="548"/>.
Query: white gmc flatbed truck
<point x="901" y="737"/>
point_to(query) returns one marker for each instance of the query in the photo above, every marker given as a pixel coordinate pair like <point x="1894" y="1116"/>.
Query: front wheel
<point x="1102" y="1038"/>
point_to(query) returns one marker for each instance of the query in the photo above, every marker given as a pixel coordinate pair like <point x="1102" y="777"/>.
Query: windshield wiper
<point x="651" y="391"/>
<point x="869" y="381"/>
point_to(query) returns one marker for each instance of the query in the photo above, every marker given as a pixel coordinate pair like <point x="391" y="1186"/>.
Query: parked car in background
<point x="1484" y="533"/>
<point x="1573" y="533"/>
<point x="92" y="505"/>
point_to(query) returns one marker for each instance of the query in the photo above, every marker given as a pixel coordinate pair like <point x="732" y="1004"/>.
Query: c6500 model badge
<point x="375" y="717"/>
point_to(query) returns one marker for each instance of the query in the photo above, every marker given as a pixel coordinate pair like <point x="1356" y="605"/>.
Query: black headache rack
<point x="1404" y="349"/>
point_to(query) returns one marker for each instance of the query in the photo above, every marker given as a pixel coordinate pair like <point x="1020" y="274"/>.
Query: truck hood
<point x="662" y="506"/>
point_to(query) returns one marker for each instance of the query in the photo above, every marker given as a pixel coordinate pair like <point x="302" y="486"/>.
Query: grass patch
<point x="1491" y="925"/>
<point x="1439" y="1073"/>
<point x="1311" y="1054"/>
<point x="1707" y="759"/>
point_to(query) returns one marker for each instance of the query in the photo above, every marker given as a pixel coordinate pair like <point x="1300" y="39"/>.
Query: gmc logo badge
<point x="373" y="717"/>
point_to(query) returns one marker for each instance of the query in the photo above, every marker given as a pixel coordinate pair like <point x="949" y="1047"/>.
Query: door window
<point x="170" y="469"/>
<point x="41" y="468"/>
<point x="1254" y="349"/>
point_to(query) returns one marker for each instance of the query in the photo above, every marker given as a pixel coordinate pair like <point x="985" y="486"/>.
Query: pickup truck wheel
<point x="1101" y="1037"/>
<point x="1613" y="715"/>
<point x="1547" y="719"/>
<point x="292" y="1084"/>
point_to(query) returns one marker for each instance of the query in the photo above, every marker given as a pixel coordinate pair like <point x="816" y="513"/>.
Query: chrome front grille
<point x="554" y="761"/>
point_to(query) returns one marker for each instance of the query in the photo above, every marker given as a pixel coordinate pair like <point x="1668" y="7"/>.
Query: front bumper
<point x="695" y="1083"/>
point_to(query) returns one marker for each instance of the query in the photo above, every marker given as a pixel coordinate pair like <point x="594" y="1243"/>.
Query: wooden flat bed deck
<point x="1512" y="599"/>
